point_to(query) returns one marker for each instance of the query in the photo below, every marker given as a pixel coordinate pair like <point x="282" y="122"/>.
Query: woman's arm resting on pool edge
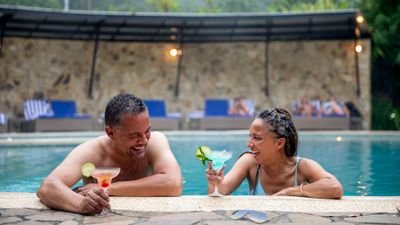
<point x="321" y="183"/>
<point x="324" y="188"/>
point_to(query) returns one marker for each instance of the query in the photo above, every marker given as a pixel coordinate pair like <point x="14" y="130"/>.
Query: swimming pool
<point x="365" y="163"/>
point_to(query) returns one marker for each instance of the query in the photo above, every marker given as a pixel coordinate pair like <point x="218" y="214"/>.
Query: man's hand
<point x="94" y="201"/>
<point x="83" y="190"/>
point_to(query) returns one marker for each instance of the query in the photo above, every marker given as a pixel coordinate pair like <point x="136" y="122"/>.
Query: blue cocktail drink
<point x="218" y="159"/>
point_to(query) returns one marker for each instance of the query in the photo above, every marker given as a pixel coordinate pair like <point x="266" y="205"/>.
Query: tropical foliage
<point x="383" y="19"/>
<point x="294" y="5"/>
<point x="385" y="116"/>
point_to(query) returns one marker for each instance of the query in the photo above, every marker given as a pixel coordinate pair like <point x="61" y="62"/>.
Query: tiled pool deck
<point x="25" y="208"/>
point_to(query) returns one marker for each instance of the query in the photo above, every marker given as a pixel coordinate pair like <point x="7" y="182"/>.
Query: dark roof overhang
<point x="179" y="27"/>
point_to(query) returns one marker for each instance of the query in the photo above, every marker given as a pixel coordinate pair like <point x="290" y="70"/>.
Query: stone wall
<point x="61" y="70"/>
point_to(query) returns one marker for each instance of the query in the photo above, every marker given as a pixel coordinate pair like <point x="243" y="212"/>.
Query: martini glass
<point x="218" y="159"/>
<point x="104" y="175"/>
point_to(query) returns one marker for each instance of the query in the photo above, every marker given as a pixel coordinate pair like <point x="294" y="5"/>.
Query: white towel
<point x="33" y="109"/>
<point x="3" y="119"/>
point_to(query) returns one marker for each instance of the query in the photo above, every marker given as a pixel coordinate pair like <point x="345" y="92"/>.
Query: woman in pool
<point x="272" y="166"/>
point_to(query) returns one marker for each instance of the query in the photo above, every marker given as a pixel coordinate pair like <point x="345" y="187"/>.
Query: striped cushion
<point x="3" y="119"/>
<point x="33" y="109"/>
<point x="251" y="105"/>
<point x="316" y="104"/>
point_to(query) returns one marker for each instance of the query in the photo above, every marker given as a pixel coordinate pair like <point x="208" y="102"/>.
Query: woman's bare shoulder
<point x="306" y="162"/>
<point x="310" y="168"/>
<point x="247" y="158"/>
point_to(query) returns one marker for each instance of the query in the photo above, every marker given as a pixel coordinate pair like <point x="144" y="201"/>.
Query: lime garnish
<point x="87" y="169"/>
<point x="202" y="152"/>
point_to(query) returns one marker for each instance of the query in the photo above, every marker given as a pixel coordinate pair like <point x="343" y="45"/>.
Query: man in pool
<point x="148" y="167"/>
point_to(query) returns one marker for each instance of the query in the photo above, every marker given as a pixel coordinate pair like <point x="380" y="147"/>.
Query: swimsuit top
<point x="258" y="190"/>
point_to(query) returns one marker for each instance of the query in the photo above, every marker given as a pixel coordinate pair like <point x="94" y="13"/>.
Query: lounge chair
<point x="216" y="117"/>
<point x="322" y="123"/>
<point x="3" y="123"/>
<point x="59" y="115"/>
<point x="160" y="119"/>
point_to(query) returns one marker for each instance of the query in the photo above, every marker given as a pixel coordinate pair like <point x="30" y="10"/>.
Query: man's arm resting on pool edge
<point x="55" y="194"/>
<point x="55" y="190"/>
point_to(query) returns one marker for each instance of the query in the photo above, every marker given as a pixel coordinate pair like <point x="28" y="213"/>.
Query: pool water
<point x="365" y="164"/>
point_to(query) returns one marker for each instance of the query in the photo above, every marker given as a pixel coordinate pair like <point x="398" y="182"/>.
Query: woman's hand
<point x="214" y="177"/>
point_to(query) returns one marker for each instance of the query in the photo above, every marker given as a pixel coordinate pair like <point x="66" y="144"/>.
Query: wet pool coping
<point x="25" y="208"/>
<point x="188" y="203"/>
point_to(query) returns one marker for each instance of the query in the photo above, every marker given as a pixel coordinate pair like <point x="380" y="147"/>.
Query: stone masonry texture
<point x="61" y="70"/>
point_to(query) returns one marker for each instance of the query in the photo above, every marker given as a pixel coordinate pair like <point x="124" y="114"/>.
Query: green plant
<point x="383" y="20"/>
<point x="164" y="5"/>
<point x="385" y="116"/>
<point x="310" y="5"/>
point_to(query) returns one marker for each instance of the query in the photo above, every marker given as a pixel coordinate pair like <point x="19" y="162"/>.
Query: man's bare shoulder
<point x="157" y="134"/>
<point x="157" y="140"/>
<point x="158" y="145"/>
<point x="89" y="151"/>
<point x="91" y="148"/>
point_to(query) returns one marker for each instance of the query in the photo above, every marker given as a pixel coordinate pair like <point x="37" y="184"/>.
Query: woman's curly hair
<point x="280" y="122"/>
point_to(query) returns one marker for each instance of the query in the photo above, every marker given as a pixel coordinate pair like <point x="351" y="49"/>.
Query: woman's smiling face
<point x="262" y="141"/>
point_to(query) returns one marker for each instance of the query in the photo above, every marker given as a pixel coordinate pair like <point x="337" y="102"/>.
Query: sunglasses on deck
<point x="255" y="216"/>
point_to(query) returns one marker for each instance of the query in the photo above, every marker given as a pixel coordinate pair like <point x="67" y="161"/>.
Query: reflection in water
<point x="361" y="187"/>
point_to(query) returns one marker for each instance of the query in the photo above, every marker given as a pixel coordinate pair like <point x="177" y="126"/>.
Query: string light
<point x="358" y="48"/>
<point x="360" y="19"/>
<point x="173" y="52"/>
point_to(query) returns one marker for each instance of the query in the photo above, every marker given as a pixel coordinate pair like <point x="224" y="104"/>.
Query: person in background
<point x="272" y="166"/>
<point x="238" y="108"/>
<point x="303" y="107"/>
<point x="148" y="167"/>
<point x="334" y="108"/>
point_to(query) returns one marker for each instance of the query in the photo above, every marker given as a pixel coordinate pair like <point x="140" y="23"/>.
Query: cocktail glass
<point x="104" y="175"/>
<point x="218" y="159"/>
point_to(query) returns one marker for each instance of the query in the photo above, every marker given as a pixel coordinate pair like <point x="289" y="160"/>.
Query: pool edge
<point x="187" y="203"/>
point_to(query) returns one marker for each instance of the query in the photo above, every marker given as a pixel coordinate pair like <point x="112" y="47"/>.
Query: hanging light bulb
<point x="359" y="19"/>
<point x="173" y="52"/>
<point x="358" y="48"/>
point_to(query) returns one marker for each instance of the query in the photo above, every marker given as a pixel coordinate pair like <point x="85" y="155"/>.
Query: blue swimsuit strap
<point x="297" y="168"/>
<point x="254" y="191"/>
